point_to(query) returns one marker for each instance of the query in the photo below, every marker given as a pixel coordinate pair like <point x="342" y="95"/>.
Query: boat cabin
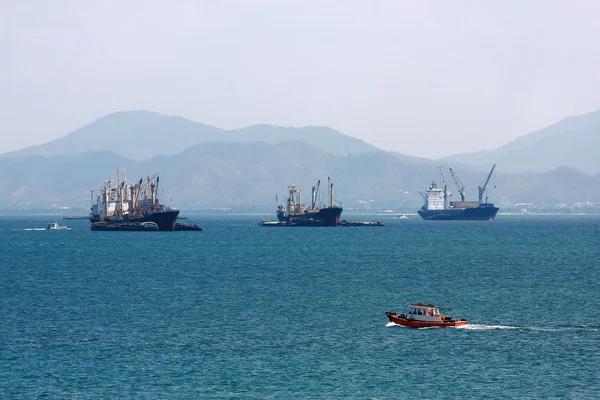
<point x="421" y="309"/>
<point x="425" y="312"/>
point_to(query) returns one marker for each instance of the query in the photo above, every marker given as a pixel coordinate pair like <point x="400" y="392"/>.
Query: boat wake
<point x="30" y="229"/>
<point x="483" y="327"/>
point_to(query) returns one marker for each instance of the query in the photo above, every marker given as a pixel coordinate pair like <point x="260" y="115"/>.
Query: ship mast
<point x="484" y="186"/>
<point x="125" y="193"/>
<point x="331" y="196"/>
<point x="119" y="211"/>
<point x="444" y="188"/>
<point x="315" y="190"/>
<point x="105" y="200"/>
<point x="291" y="199"/>
<point x="156" y="190"/>
<point x="152" y="194"/>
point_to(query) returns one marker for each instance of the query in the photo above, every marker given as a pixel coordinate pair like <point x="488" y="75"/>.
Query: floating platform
<point x="131" y="226"/>
<point x="187" y="227"/>
<point x="141" y="226"/>
<point x="341" y="223"/>
<point x="360" y="223"/>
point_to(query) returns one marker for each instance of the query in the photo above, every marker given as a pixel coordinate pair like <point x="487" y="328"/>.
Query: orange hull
<point x="402" y="320"/>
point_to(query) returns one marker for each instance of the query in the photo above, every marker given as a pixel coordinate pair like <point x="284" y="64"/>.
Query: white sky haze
<point x="425" y="78"/>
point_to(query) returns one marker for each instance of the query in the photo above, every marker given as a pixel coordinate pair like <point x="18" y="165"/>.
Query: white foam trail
<point x="30" y="229"/>
<point x="562" y="328"/>
<point x="482" y="327"/>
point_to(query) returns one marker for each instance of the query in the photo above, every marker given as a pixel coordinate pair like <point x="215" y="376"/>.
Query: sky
<point x="423" y="78"/>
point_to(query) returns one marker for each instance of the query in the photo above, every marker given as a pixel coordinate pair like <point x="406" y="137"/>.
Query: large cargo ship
<point x="437" y="206"/>
<point x="296" y="213"/>
<point x="132" y="204"/>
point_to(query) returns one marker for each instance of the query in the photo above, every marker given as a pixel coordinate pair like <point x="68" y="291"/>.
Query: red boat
<point x="424" y="316"/>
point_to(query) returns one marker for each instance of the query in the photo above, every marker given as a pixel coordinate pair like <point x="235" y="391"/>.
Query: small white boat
<point x="56" y="227"/>
<point x="401" y="216"/>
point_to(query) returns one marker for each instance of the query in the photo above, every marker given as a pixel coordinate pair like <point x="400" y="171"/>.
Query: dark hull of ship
<point x="164" y="219"/>
<point x="329" y="216"/>
<point x="482" y="213"/>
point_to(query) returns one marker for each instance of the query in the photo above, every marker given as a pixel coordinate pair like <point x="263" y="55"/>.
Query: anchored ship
<point x="437" y="206"/>
<point x="296" y="213"/>
<point x="132" y="204"/>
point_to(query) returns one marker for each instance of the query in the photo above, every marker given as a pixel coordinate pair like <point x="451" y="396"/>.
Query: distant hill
<point x="49" y="180"/>
<point x="572" y="142"/>
<point x="222" y="174"/>
<point x="141" y="135"/>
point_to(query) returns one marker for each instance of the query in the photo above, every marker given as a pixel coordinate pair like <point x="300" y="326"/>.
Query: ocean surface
<point x="248" y="312"/>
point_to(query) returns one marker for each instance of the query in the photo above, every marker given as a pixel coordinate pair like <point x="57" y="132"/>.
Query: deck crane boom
<point x="459" y="185"/>
<point x="444" y="187"/>
<point x="314" y="194"/>
<point x="481" y="188"/>
<point x="148" y="184"/>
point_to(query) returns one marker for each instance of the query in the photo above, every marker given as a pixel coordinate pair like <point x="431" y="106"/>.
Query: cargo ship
<point x="437" y="206"/>
<point x="297" y="214"/>
<point x="131" y="204"/>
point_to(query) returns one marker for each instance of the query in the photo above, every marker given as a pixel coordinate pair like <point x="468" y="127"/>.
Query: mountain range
<point x="571" y="142"/>
<point x="141" y="135"/>
<point x="206" y="167"/>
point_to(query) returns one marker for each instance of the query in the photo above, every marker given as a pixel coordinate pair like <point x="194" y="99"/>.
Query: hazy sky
<point x="425" y="78"/>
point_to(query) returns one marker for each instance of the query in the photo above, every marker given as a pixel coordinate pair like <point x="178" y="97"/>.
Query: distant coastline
<point x="195" y="213"/>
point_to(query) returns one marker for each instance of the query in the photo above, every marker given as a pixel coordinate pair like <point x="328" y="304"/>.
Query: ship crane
<point x="315" y="194"/>
<point x="148" y="184"/>
<point x="444" y="187"/>
<point x="481" y="188"/>
<point x="459" y="185"/>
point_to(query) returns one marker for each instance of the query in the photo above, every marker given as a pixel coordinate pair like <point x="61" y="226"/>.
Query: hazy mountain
<point x="203" y="166"/>
<point x="237" y="174"/>
<point x="571" y="142"/>
<point x="141" y="135"/>
<point x="50" y="180"/>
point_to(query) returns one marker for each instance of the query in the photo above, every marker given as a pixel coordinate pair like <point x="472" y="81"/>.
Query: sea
<point x="240" y="311"/>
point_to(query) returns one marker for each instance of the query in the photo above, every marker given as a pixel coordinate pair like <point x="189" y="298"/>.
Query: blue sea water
<point x="249" y="312"/>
